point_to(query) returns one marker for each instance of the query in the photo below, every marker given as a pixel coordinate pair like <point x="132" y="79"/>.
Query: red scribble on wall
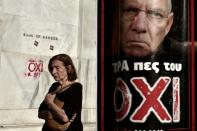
<point x="34" y="68"/>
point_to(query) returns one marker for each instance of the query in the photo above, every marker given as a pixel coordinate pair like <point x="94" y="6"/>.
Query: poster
<point x="148" y="66"/>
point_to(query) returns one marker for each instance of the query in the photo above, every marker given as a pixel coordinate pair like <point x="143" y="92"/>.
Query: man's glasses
<point x="152" y="15"/>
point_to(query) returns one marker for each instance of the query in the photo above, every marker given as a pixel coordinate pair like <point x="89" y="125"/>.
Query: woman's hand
<point x="56" y="111"/>
<point x="49" y="98"/>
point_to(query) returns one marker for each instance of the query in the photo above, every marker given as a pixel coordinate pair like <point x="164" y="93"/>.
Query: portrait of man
<point x="148" y="85"/>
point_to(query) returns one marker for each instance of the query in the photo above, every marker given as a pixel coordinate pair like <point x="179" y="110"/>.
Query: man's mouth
<point x="135" y="43"/>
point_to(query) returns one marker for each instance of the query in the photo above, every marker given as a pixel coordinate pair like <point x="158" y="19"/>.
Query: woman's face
<point x="59" y="71"/>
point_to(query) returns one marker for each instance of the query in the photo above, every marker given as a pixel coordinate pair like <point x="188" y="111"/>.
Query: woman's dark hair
<point x="66" y="59"/>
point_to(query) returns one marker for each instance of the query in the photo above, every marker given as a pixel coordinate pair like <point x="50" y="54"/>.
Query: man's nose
<point x="139" y="23"/>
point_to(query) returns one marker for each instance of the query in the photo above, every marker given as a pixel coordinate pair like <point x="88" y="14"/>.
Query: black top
<point x="72" y="98"/>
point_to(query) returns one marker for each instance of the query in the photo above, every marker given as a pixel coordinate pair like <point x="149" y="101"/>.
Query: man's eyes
<point x="149" y="13"/>
<point x="131" y="10"/>
<point x="155" y="14"/>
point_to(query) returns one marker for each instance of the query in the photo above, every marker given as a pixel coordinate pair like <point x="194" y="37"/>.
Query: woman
<point x="61" y="108"/>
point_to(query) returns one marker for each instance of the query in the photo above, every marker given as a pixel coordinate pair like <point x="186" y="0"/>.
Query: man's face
<point x="144" y="24"/>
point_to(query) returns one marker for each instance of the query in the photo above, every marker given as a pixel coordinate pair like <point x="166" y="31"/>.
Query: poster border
<point x="192" y="117"/>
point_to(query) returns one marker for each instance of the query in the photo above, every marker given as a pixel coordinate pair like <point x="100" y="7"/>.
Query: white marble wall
<point x="31" y="31"/>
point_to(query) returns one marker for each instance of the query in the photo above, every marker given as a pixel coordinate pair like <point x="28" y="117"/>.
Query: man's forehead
<point x="162" y="4"/>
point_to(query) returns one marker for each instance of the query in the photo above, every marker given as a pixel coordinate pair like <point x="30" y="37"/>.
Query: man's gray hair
<point x="169" y="5"/>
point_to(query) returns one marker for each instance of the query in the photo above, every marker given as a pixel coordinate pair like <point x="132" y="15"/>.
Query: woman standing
<point x="61" y="108"/>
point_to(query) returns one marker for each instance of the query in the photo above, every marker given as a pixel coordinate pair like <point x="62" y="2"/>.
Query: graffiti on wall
<point x="34" y="68"/>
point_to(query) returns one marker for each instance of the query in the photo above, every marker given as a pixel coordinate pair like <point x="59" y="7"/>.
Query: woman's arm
<point x="45" y="114"/>
<point x="56" y="111"/>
